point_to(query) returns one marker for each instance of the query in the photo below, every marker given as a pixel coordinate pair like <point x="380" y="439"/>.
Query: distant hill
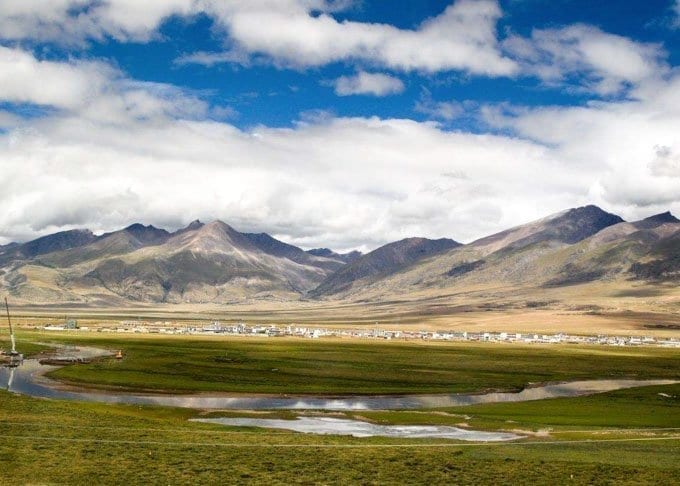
<point x="63" y="240"/>
<point x="580" y="248"/>
<point x="569" y="227"/>
<point x="273" y="246"/>
<point x="200" y="263"/>
<point x="577" y="246"/>
<point x="382" y="262"/>
<point x="328" y="253"/>
<point x="145" y="235"/>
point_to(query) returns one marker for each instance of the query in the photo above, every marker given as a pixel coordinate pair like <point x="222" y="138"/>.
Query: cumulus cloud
<point x="363" y="83"/>
<point x="112" y="150"/>
<point x="23" y="79"/>
<point x="441" y="110"/>
<point x="109" y="161"/>
<point x="90" y="89"/>
<point x="74" y="21"/>
<point x="630" y="145"/>
<point x="297" y="33"/>
<point x="305" y="33"/>
<point x="463" y="37"/>
<point x="291" y="182"/>
<point x="666" y="161"/>
<point x="609" y="63"/>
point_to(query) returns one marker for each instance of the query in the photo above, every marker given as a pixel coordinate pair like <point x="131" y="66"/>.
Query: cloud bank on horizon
<point x="331" y="123"/>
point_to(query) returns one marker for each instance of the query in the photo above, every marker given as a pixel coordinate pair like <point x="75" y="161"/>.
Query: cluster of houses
<point x="272" y="330"/>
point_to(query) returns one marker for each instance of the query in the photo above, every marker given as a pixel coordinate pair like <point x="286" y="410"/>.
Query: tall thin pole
<point x="11" y="332"/>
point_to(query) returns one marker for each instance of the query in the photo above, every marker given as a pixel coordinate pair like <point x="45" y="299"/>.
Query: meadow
<point x="293" y="365"/>
<point x="624" y="437"/>
<point x="57" y="442"/>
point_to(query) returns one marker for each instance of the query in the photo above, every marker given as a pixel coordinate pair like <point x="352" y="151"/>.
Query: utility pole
<point x="11" y="331"/>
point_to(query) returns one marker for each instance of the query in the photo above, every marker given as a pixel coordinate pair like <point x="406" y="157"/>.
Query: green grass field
<point x="614" y="410"/>
<point x="343" y="367"/>
<point x="56" y="442"/>
<point x="624" y="437"/>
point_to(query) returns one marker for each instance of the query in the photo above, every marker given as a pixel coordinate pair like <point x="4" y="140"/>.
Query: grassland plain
<point x="629" y="309"/>
<point x="293" y="365"/>
<point x="47" y="441"/>
<point x="624" y="437"/>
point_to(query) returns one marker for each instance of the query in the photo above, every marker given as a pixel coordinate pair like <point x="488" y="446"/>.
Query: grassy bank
<point x="47" y="441"/>
<point x="645" y="407"/>
<point x="342" y="367"/>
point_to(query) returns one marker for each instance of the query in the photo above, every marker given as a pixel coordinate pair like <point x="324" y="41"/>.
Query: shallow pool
<point x="356" y="428"/>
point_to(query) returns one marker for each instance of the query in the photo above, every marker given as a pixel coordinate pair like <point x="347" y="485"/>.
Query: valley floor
<point x="582" y="311"/>
<point x="334" y="367"/>
<point x="624" y="437"/>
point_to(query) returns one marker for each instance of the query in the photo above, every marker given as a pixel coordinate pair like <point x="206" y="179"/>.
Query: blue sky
<point x="275" y="96"/>
<point x="335" y="123"/>
<point x="265" y="94"/>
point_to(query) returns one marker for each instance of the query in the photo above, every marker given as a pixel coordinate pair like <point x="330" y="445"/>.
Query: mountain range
<point x="214" y="263"/>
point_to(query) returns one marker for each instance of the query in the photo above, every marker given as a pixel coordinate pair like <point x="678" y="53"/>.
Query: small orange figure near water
<point x="119" y="354"/>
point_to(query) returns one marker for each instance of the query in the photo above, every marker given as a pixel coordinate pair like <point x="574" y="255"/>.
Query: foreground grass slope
<point x="345" y="367"/>
<point x="47" y="441"/>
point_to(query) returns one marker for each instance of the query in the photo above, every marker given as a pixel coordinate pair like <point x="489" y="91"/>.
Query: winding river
<point x="30" y="379"/>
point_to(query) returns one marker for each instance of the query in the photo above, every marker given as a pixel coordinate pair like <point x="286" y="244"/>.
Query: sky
<point x="335" y="123"/>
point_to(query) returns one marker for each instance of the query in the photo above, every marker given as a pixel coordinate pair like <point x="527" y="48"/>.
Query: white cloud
<point x="297" y="33"/>
<point x="376" y="84"/>
<point x="666" y="163"/>
<point x="304" y="33"/>
<point x="292" y="182"/>
<point x="90" y="89"/>
<point x="74" y="21"/>
<point x="130" y="151"/>
<point x="631" y="146"/>
<point x="608" y="62"/>
<point x="24" y="79"/>
<point x="441" y="110"/>
<point x="462" y="38"/>
<point x="213" y="58"/>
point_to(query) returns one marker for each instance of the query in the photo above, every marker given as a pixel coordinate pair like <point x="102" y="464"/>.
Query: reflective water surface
<point x="356" y="428"/>
<point x="28" y="379"/>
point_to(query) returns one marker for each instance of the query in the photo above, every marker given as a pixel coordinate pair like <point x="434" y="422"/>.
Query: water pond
<point x="356" y="428"/>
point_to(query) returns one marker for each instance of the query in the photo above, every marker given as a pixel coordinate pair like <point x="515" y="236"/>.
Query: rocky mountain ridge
<point x="215" y="263"/>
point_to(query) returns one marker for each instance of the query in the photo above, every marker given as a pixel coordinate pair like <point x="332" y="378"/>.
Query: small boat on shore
<point x="61" y="361"/>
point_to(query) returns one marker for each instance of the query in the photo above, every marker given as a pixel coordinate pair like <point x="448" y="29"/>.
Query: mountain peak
<point x="666" y="217"/>
<point x="569" y="226"/>
<point x="321" y="252"/>
<point x="589" y="211"/>
<point x="328" y="253"/>
<point x="656" y="220"/>
<point x="195" y="224"/>
<point x="148" y="234"/>
<point x="382" y="261"/>
<point x="214" y="237"/>
<point x="218" y="225"/>
<point x="579" y="223"/>
<point x="63" y="240"/>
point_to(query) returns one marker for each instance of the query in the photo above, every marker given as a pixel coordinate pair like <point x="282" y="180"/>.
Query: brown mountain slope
<point x="572" y="247"/>
<point x="381" y="263"/>
<point x="200" y="263"/>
